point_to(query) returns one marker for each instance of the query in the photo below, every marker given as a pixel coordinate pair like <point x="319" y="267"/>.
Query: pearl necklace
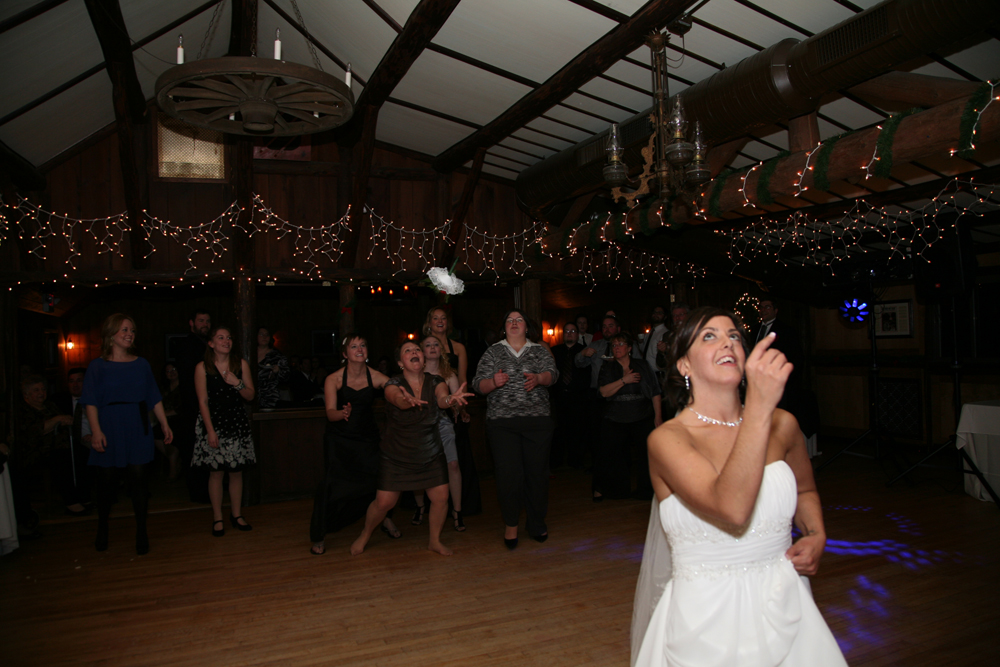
<point x="717" y="422"/>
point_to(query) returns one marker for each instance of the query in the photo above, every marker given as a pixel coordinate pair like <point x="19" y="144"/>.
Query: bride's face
<point x="716" y="355"/>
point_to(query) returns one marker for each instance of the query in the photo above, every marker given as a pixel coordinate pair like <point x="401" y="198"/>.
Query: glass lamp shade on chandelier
<point x="674" y="159"/>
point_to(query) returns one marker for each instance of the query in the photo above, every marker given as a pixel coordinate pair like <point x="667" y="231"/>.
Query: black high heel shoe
<point x="418" y="516"/>
<point x="511" y="543"/>
<point x="221" y="531"/>
<point x="235" y="520"/>
<point x="459" y="524"/>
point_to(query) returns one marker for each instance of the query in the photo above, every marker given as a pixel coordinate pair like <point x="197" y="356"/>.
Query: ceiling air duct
<point x="787" y="79"/>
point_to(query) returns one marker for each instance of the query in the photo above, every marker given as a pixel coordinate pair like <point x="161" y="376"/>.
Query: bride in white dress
<point x="729" y="482"/>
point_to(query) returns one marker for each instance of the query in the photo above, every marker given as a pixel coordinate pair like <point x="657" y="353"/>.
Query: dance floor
<point x="910" y="577"/>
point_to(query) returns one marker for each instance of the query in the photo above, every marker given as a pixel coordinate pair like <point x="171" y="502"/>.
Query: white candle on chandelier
<point x="180" y="49"/>
<point x="347" y="77"/>
<point x="277" y="44"/>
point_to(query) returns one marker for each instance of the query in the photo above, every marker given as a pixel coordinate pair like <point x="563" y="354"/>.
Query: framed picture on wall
<point x="894" y="319"/>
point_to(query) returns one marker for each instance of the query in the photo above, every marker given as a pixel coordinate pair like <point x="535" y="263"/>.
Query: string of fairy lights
<point x="492" y="251"/>
<point x="395" y="241"/>
<point x="618" y="262"/>
<point x="314" y="247"/>
<point x="801" y="238"/>
<point x="309" y="243"/>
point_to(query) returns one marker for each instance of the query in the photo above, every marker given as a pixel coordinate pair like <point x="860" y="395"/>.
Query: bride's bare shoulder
<point x="670" y="434"/>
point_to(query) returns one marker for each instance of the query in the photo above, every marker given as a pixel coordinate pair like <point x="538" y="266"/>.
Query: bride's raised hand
<point x="767" y="371"/>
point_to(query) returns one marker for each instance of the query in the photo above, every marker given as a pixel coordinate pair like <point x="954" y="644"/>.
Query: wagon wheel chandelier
<point x="254" y="96"/>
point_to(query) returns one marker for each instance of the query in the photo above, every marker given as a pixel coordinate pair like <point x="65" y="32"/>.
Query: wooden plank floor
<point x="910" y="578"/>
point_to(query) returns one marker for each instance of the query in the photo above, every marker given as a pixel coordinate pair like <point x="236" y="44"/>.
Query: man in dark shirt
<point x="569" y="397"/>
<point x="79" y="450"/>
<point x="787" y="341"/>
<point x="190" y="353"/>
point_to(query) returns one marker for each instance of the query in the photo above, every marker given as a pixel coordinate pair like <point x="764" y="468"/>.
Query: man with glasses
<point x="569" y="395"/>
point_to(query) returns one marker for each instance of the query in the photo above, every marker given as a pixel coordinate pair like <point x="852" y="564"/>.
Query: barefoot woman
<point x="412" y="455"/>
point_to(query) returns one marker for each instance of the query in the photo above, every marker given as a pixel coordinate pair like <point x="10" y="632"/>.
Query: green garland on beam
<point x="822" y="166"/>
<point x="714" y="209"/>
<point x="618" y="226"/>
<point x="764" y="180"/>
<point x="969" y="119"/>
<point x="643" y="216"/>
<point x="886" y="138"/>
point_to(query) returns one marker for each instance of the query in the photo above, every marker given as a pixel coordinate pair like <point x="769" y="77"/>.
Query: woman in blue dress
<point x="119" y="390"/>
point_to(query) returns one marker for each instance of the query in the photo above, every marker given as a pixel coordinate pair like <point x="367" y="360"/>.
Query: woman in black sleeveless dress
<point x="351" y="446"/>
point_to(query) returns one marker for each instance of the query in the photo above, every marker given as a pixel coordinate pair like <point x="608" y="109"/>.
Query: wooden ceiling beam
<point x="462" y="208"/>
<point x="16" y="169"/>
<point x="28" y="14"/>
<point x="605" y="52"/>
<point x="899" y="91"/>
<point x="359" y="194"/>
<point x="130" y="117"/>
<point x="928" y="133"/>
<point x="420" y="28"/>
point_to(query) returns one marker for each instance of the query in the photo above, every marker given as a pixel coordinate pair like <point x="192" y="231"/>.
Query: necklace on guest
<point x="717" y="422"/>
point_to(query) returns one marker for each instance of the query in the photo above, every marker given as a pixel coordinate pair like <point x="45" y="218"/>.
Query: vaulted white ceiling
<point x="54" y="91"/>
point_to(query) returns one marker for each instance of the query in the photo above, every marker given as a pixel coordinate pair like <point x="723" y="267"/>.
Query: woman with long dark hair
<point x="118" y="390"/>
<point x="730" y="479"/>
<point x="513" y="375"/>
<point x="222" y="432"/>
<point x="351" y="446"/>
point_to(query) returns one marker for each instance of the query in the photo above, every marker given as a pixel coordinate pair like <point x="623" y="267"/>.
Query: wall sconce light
<point x="551" y="332"/>
<point x="410" y="336"/>
<point x="69" y="344"/>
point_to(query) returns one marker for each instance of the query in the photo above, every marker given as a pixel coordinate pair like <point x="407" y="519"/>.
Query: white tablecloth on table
<point x="8" y="523"/>
<point x="979" y="432"/>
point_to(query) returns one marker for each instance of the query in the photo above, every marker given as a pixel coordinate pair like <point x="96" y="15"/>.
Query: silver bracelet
<point x="241" y="386"/>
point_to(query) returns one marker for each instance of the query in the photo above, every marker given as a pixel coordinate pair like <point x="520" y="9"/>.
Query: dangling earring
<point x="743" y="382"/>
<point x="687" y="383"/>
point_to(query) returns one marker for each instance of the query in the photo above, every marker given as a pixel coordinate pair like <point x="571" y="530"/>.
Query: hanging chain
<point x="206" y="41"/>
<point x="312" y="49"/>
<point x="253" y="30"/>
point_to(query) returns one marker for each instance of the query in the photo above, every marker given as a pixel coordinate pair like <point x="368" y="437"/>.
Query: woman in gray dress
<point x="412" y="457"/>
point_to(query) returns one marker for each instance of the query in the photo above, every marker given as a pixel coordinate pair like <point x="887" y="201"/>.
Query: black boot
<point x="140" y="505"/>
<point x="103" y="485"/>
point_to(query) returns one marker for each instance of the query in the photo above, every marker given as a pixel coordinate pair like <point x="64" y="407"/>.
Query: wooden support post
<point x="462" y="209"/>
<point x="531" y="300"/>
<point x="130" y="118"/>
<point x="347" y="301"/>
<point x="241" y="185"/>
<point x="803" y="132"/>
<point x="245" y="297"/>
<point x="359" y="195"/>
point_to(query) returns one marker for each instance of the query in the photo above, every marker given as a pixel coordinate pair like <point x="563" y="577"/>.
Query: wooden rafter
<point x="931" y="132"/>
<point x="420" y="28"/>
<point x="462" y="209"/>
<point x="424" y="22"/>
<point x="612" y="47"/>
<point x="130" y="117"/>
<point x="898" y="91"/>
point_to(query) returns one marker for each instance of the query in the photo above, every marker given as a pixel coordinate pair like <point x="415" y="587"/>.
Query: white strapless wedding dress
<point x="735" y="601"/>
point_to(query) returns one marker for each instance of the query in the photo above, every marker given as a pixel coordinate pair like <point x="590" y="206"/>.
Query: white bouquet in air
<point x="446" y="281"/>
